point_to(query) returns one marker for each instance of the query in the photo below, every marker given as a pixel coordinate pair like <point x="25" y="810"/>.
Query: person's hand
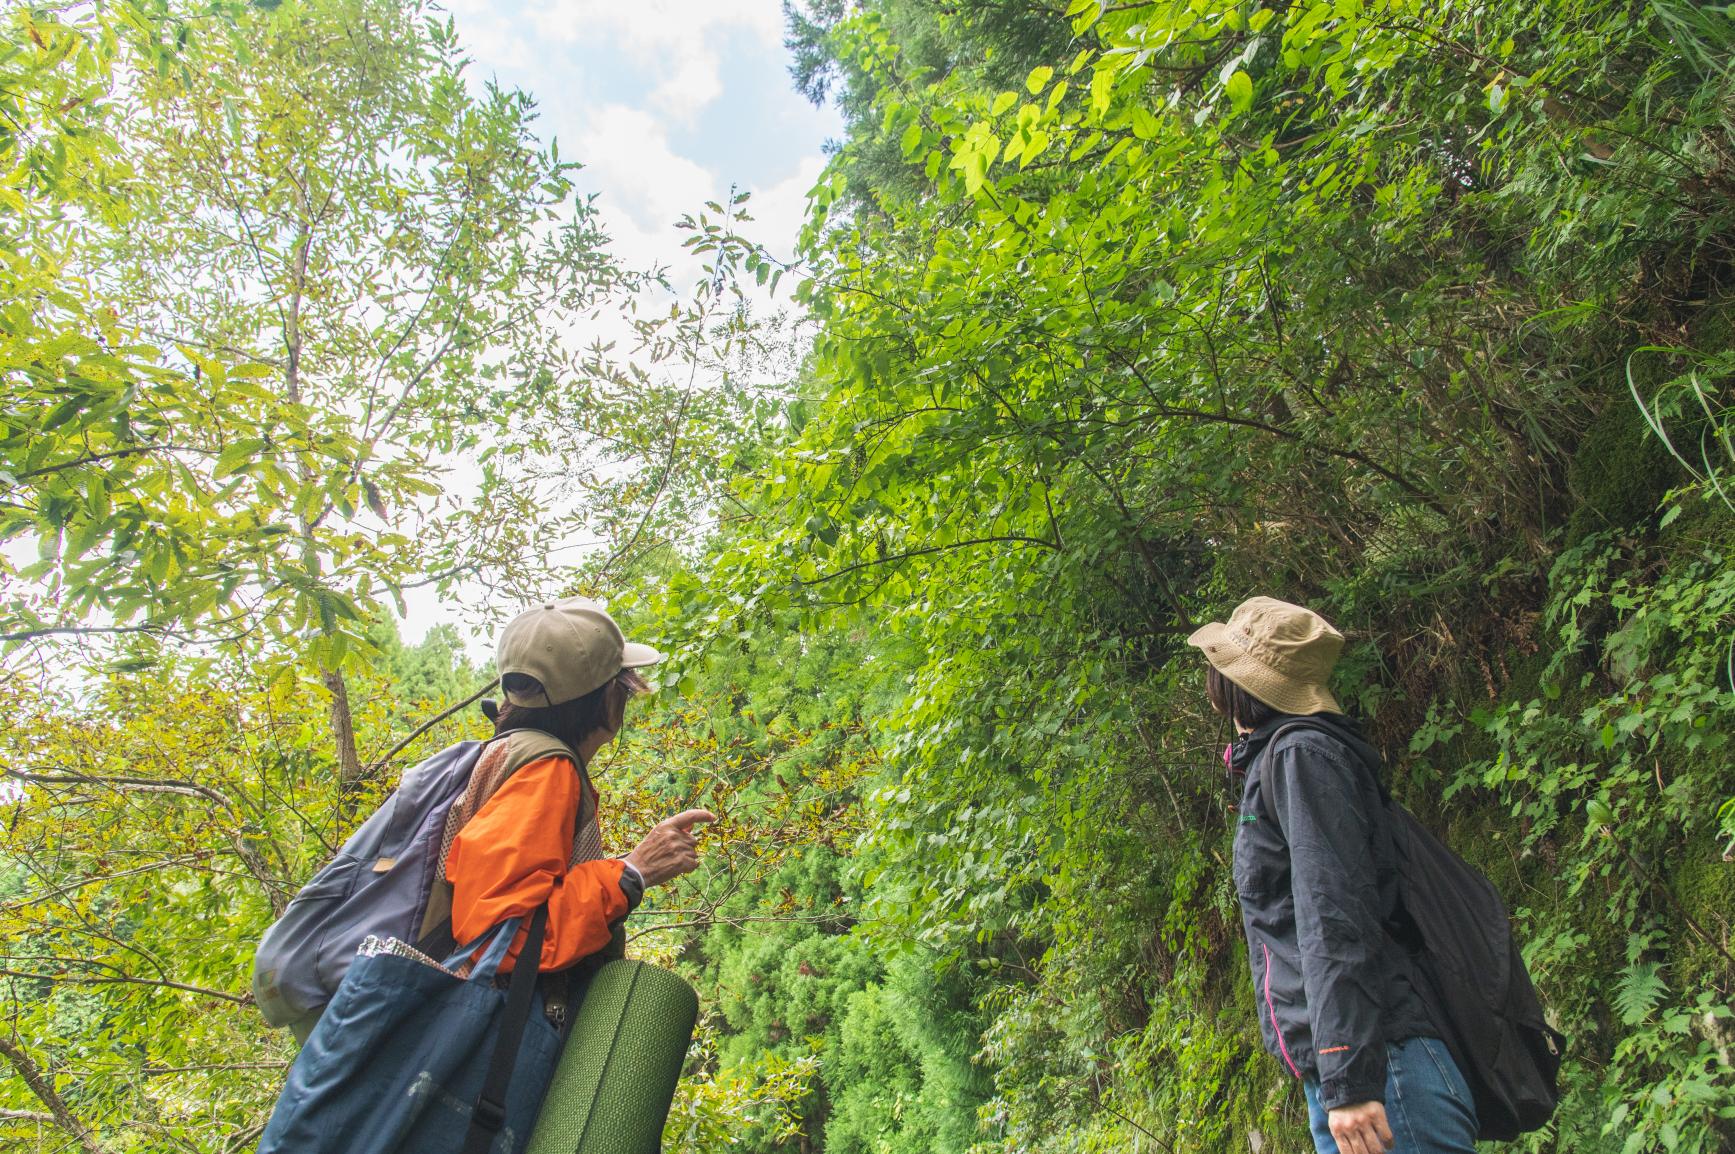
<point x="670" y="849"/>
<point x="1361" y="1129"/>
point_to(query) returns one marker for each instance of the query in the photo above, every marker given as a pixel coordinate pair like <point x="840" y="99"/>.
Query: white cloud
<point x="679" y="41"/>
<point x="646" y="185"/>
<point x="779" y="211"/>
<point x="486" y="38"/>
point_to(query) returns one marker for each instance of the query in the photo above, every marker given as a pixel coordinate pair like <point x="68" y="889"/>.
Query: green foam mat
<point x="623" y="1058"/>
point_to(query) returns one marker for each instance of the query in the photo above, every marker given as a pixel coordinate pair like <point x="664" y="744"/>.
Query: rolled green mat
<point x="623" y="1058"/>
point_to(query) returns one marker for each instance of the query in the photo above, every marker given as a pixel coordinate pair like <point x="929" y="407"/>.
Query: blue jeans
<point x="1428" y="1103"/>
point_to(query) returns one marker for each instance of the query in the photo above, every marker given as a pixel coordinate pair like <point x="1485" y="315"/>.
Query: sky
<point x="667" y="104"/>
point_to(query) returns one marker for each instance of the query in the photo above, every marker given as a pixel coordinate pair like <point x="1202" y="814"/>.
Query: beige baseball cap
<point x="573" y="647"/>
<point x="1280" y="653"/>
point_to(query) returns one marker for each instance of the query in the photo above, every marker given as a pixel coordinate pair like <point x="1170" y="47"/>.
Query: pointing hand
<point x="670" y="849"/>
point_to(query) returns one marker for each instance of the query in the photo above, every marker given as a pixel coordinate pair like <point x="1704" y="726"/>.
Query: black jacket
<point x="1315" y="871"/>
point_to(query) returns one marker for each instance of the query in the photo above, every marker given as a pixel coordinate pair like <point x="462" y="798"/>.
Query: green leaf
<point x="1239" y="87"/>
<point x="1038" y="79"/>
<point x="63" y="413"/>
<point x="1640" y="989"/>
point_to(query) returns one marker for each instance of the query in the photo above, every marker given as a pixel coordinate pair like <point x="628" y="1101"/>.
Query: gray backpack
<point x="378" y="884"/>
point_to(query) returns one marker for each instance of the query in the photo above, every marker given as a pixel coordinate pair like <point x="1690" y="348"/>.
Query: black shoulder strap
<point x="1308" y="723"/>
<point x="1393" y="826"/>
<point x="490" y="1110"/>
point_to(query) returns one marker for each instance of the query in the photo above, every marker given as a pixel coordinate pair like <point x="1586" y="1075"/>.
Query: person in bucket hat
<point x="1338" y="999"/>
<point x="525" y="831"/>
<point x="1280" y="654"/>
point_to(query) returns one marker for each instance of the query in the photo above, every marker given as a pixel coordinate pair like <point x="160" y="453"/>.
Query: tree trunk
<point x="342" y="726"/>
<point x="343" y="731"/>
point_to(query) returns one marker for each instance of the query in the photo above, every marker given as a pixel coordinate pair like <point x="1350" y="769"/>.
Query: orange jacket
<point x="511" y="857"/>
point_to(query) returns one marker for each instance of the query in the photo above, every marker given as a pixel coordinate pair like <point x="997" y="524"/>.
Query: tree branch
<point x="1006" y="538"/>
<point x="120" y="979"/>
<point x="43" y="1088"/>
<point x="384" y="760"/>
<point x="249" y="854"/>
<point x="98" y="630"/>
<point x="144" y="784"/>
<point x="93" y="458"/>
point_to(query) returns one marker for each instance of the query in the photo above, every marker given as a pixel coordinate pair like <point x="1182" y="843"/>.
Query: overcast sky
<point x="668" y="104"/>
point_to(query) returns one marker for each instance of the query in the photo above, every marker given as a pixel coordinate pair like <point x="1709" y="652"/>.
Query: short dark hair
<point x="1236" y="703"/>
<point x="570" y="721"/>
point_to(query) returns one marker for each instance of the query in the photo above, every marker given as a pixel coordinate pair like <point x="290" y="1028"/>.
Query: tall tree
<point x="396" y="260"/>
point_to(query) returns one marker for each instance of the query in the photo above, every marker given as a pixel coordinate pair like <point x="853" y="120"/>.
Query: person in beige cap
<point x="1339" y="1002"/>
<point x="525" y="831"/>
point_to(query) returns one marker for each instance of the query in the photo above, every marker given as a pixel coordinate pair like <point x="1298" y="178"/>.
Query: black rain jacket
<point x="1317" y="877"/>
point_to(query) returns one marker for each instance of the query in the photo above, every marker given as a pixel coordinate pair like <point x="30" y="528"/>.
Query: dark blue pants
<point x="1428" y="1104"/>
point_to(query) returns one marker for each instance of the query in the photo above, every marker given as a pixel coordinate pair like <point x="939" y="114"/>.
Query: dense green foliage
<point x="1132" y="312"/>
<point x="1419" y="314"/>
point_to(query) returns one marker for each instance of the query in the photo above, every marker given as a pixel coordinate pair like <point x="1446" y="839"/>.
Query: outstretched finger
<point x="686" y="819"/>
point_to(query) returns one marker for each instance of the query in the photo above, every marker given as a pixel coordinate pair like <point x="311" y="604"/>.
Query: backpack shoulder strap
<point x="1309" y="724"/>
<point x="524" y="746"/>
<point x="501" y="757"/>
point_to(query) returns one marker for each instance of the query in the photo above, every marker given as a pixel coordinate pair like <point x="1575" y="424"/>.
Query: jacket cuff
<point x="1338" y="1092"/>
<point x="632" y="884"/>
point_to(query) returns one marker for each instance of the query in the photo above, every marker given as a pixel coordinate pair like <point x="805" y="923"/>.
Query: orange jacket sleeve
<point x="512" y="856"/>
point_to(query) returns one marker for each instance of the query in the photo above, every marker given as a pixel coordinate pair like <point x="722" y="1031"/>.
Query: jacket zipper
<point x="1271" y="1009"/>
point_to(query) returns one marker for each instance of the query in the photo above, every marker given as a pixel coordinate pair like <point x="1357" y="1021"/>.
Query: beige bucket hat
<point x="1280" y="653"/>
<point x="572" y="647"/>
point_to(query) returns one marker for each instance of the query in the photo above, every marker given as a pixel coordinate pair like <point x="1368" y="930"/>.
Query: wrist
<point x="632" y="884"/>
